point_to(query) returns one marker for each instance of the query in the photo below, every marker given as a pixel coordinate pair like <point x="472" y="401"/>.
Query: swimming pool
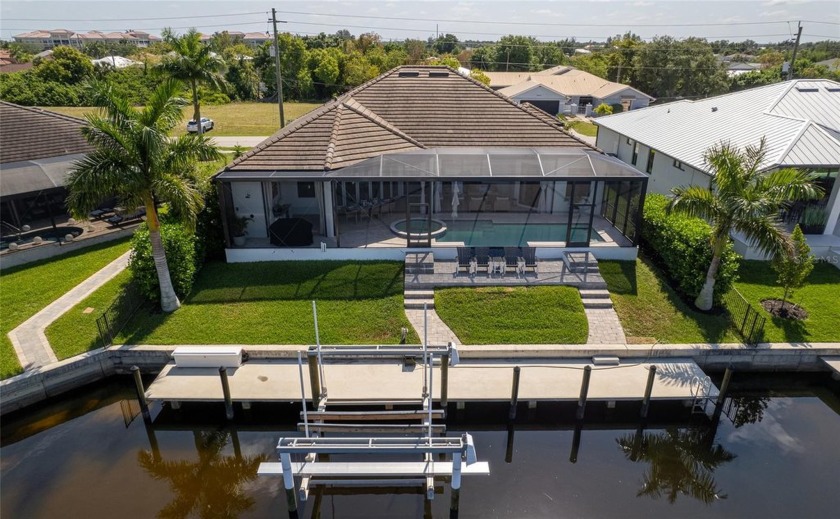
<point x="486" y="233"/>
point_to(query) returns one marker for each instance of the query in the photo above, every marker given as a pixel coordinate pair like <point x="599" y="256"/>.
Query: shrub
<point x="210" y="238"/>
<point x="617" y="108"/>
<point x="179" y="244"/>
<point x="603" y="109"/>
<point x="682" y="246"/>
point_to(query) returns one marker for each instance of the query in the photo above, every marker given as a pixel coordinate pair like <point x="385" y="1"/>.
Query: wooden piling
<point x="514" y="394"/>
<point x="289" y="482"/>
<point x="576" y="442"/>
<point x="648" y="390"/>
<point x="456" y="484"/>
<point x="444" y="380"/>
<point x="584" y="390"/>
<point x="141" y="393"/>
<point x="509" y="445"/>
<point x="314" y="378"/>
<point x="724" y="387"/>
<point x="226" y="390"/>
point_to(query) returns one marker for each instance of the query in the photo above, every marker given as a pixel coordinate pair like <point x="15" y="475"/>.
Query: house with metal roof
<point x="37" y="151"/>
<point x="565" y="89"/>
<point x="423" y="158"/>
<point x="799" y="119"/>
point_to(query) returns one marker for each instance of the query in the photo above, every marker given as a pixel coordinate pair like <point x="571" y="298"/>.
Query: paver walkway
<point x="30" y="341"/>
<point x="439" y="333"/>
<point x="604" y="326"/>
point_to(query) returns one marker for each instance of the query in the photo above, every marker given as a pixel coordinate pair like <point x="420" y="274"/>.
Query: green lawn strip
<point x="584" y="128"/>
<point x="270" y="303"/>
<point x="820" y="297"/>
<point x="27" y="289"/>
<point x="650" y="309"/>
<point x="75" y="332"/>
<point x="514" y="315"/>
<point x="233" y="119"/>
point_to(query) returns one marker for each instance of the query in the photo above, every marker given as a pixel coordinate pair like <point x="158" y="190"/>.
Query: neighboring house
<point x="423" y="158"/>
<point x="8" y="64"/>
<point x="115" y="62"/>
<point x="800" y="120"/>
<point x="253" y="39"/>
<point x="49" y="39"/>
<point x="736" y="69"/>
<point x="832" y="64"/>
<point x="37" y="151"/>
<point x="565" y="89"/>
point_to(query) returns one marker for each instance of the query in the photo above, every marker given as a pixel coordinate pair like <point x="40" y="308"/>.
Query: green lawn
<point x="514" y="315"/>
<point x="584" y="128"/>
<point x="233" y="119"/>
<point x="269" y="303"/>
<point x="75" y="332"/>
<point x="820" y="297"/>
<point x="650" y="309"/>
<point x="27" y="289"/>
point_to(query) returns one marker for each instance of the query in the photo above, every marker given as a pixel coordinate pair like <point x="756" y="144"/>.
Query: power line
<point x="226" y="15"/>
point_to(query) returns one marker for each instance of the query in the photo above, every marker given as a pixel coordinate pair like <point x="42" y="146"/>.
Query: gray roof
<point x="800" y="120"/>
<point x="28" y="133"/>
<point x="31" y="176"/>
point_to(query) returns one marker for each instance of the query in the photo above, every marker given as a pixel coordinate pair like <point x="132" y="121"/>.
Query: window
<point x="629" y="141"/>
<point x="649" y="165"/>
<point x="306" y="189"/>
<point x="635" y="153"/>
<point x="678" y="165"/>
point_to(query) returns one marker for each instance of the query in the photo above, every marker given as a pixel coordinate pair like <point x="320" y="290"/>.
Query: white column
<point x="833" y="208"/>
<point x="328" y="210"/>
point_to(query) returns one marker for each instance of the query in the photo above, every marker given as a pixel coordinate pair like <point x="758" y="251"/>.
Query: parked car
<point x="206" y="125"/>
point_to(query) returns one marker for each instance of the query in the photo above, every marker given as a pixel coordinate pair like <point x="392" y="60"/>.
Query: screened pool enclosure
<point x="442" y="197"/>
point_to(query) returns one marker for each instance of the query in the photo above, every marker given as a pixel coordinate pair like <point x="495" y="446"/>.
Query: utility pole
<point x="795" y="48"/>
<point x="277" y="67"/>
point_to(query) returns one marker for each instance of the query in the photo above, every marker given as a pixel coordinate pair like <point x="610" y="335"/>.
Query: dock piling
<point x="584" y="390"/>
<point x="573" y="455"/>
<point x="724" y="387"/>
<point x="314" y="378"/>
<point x="648" y="390"/>
<point x="444" y="380"/>
<point x="514" y="394"/>
<point x="289" y="482"/>
<point x="226" y="390"/>
<point x="454" y="502"/>
<point x="141" y="393"/>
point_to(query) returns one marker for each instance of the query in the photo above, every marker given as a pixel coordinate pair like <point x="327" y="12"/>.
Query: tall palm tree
<point x="742" y="198"/>
<point x="135" y="159"/>
<point x="195" y="64"/>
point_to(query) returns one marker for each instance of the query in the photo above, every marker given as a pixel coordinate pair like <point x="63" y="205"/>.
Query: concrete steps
<point x="596" y="298"/>
<point x="419" y="263"/>
<point x="414" y="299"/>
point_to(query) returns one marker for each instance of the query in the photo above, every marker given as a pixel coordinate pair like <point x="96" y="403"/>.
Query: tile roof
<point x="799" y="119"/>
<point x="572" y="82"/>
<point x="31" y="133"/>
<point x="410" y="107"/>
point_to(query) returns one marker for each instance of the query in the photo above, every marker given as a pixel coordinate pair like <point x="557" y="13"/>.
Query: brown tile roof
<point x="410" y="107"/>
<point x="31" y="133"/>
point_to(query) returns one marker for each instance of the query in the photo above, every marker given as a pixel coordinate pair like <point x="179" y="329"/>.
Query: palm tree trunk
<point x="168" y="299"/>
<point x="705" y="299"/>
<point x="196" y="107"/>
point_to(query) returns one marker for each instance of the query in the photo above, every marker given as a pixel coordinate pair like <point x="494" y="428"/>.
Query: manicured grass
<point x="651" y="310"/>
<point x="820" y="297"/>
<point x="514" y="315"/>
<point x="75" y="332"/>
<point x="270" y="303"/>
<point x="29" y="288"/>
<point x="233" y="119"/>
<point x="584" y="128"/>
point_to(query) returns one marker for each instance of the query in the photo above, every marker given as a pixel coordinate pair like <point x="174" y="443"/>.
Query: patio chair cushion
<point x="290" y="232"/>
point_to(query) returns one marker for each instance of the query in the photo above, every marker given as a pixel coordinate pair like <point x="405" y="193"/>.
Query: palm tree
<point x="135" y="159"/>
<point x="193" y="63"/>
<point x="742" y="198"/>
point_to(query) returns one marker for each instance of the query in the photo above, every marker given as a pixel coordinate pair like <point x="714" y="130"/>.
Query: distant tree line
<point x="326" y="65"/>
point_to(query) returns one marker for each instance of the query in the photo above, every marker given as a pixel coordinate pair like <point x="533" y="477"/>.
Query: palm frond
<point x="694" y="201"/>
<point x="184" y="200"/>
<point x="765" y="233"/>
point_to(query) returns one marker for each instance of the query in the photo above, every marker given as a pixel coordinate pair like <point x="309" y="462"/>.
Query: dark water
<point x="775" y="454"/>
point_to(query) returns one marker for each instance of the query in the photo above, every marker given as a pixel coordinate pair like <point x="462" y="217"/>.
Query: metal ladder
<point x="701" y="389"/>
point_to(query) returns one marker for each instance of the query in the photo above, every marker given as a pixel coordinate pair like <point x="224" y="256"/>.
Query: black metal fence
<point x="746" y="319"/>
<point x="116" y="316"/>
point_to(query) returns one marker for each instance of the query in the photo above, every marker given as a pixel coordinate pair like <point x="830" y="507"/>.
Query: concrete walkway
<point x="439" y="333"/>
<point x="30" y="341"/>
<point x="604" y="326"/>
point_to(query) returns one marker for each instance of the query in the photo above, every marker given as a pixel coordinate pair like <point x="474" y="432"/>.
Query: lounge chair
<point x="530" y="256"/>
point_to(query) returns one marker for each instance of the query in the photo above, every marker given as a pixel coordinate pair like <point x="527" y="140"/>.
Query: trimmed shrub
<point x="210" y="242"/>
<point x="682" y="246"/>
<point x="603" y="109"/>
<point x="179" y="244"/>
<point x="617" y="108"/>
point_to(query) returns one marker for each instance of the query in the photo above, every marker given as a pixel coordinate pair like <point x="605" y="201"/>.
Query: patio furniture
<point x="466" y="255"/>
<point x="520" y="267"/>
<point x="496" y="265"/>
<point x="98" y="214"/>
<point x="482" y="255"/>
<point x="475" y="204"/>
<point x="529" y="254"/>
<point x="290" y="232"/>
<point x="120" y="217"/>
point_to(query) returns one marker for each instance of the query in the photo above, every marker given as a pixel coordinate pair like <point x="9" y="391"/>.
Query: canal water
<point x="774" y="453"/>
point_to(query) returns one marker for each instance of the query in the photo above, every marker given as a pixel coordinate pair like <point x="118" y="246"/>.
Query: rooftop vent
<point x="833" y="89"/>
<point x="807" y="89"/>
<point x="438" y="74"/>
<point x="409" y="74"/>
<point x="714" y="108"/>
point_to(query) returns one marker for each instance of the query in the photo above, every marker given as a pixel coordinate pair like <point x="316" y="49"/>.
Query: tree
<point x="135" y="159"/>
<point x="195" y="64"/>
<point x="446" y="44"/>
<point x="793" y="268"/>
<point x="514" y="53"/>
<point x="480" y="76"/>
<point x="670" y="68"/>
<point x="68" y="66"/>
<point x="742" y="198"/>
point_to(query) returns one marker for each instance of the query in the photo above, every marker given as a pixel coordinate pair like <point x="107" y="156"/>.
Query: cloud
<point x="774" y="14"/>
<point x="642" y="4"/>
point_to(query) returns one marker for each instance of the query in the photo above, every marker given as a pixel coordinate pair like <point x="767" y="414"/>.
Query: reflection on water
<point x="210" y="486"/>
<point x="682" y="462"/>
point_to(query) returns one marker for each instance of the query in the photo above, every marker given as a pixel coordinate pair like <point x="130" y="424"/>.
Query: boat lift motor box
<point x="207" y="357"/>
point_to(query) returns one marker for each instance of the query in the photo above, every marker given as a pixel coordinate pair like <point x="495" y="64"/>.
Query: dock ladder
<point x="701" y="393"/>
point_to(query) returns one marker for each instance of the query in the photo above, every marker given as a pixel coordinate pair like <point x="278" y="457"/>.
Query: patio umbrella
<point x="455" y="200"/>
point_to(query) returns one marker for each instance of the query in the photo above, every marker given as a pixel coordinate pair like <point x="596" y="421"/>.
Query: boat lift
<point x="418" y="442"/>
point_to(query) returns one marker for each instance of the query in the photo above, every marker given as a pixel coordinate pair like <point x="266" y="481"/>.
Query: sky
<point x="762" y="21"/>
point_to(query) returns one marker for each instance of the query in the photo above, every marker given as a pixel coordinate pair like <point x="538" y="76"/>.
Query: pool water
<point x="418" y="225"/>
<point x="485" y="233"/>
<point x="773" y="455"/>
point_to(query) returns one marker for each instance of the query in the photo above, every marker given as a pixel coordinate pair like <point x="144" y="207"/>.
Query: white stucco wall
<point x="539" y="93"/>
<point x="607" y="140"/>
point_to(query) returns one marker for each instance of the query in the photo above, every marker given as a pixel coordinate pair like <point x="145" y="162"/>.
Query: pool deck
<point x="470" y="381"/>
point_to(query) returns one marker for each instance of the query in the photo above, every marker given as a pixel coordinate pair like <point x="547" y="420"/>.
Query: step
<point x="593" y="293"/>
<point x="598" y="303"/>
<point x="419" y="294"/>
<point x="417" y="304"/>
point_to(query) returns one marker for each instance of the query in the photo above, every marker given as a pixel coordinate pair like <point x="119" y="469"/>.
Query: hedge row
<point x="681" y="245"/>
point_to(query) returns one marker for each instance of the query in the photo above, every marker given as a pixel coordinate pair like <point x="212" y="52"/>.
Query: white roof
<point x="800" y="120"/>
<point x="115" y="61"/>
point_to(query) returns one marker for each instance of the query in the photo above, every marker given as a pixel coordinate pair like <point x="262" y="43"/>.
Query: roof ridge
<point x="295" y="125"/>
<point x="49" y="113"/>
<point x="808" y="123"/>
<point x="357" y="107"/>
<point x="328" y="158"/>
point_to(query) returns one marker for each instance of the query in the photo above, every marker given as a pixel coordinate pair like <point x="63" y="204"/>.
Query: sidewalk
<point x="30" y="341"/>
